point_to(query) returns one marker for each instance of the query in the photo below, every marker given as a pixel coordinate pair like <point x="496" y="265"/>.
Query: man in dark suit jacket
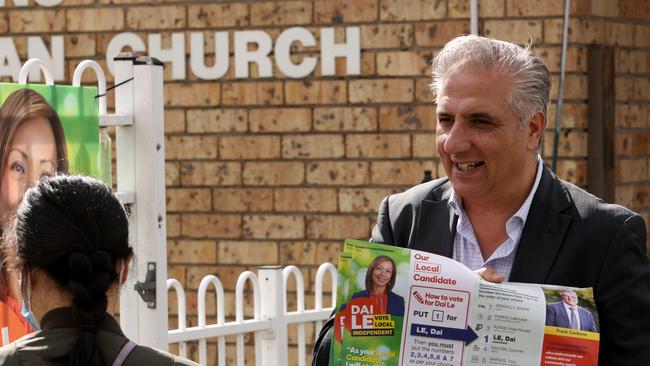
<point x="500" y="207"/>
<point x="557" y="313"/>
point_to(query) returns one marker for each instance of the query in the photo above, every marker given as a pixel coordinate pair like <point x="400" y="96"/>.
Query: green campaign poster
<point x="75" y="108"/>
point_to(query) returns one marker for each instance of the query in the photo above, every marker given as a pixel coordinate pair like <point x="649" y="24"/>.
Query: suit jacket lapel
<point x="543" y="235"/>
<point x="436" y="223"/>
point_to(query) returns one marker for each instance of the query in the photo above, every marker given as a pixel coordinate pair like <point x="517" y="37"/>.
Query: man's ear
<point x="535" y="128"/>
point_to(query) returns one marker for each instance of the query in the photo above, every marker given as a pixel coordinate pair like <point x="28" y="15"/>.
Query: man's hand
<point x="489" y="275"/>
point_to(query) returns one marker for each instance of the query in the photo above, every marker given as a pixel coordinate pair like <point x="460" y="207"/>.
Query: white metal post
<point x="141" y="170"/>
<point x="273" y="343"/>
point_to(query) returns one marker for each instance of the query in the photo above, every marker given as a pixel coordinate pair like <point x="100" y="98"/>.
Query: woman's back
<point x="57" y="338"/>
<point x="69" y="244"/>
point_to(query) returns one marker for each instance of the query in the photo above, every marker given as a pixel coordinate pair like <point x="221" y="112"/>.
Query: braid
<point x="90" y="277"/>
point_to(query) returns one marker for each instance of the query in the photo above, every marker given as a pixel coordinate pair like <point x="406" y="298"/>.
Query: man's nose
<point x="456" y="139"/>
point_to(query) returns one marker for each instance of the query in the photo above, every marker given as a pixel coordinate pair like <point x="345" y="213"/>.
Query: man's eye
<point x="482" y="122"/>
<point x="445" y="121"/>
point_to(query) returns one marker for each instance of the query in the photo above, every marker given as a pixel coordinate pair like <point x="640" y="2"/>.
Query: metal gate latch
<point x="147" y="289"/>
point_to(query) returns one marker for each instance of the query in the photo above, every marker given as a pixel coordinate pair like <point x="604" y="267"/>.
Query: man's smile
<point x="468" y="166"/>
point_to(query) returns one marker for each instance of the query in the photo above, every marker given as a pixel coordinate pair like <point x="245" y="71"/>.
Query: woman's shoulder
<point x="142" y="355"/>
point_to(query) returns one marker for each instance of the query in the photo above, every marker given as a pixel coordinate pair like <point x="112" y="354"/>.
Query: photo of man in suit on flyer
<point x="567" y="313"/>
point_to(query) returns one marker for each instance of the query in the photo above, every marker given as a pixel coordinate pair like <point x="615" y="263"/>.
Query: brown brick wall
<point x="279" y="171"/>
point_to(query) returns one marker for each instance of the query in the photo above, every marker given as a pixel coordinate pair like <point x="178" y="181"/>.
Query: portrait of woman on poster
<point x="380" y="279"/>
<point x="32" y="145"/>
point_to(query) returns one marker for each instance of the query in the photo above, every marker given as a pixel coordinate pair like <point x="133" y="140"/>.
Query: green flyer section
<point x="77" y="110"/>
<point x="370" y="310"/>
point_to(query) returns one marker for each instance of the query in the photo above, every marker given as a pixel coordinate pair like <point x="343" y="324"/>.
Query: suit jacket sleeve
<point x="623" y="297"/>
<point x="382" y="232"/>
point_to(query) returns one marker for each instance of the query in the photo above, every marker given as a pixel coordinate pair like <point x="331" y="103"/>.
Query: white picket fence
<point x="270" y="316"/>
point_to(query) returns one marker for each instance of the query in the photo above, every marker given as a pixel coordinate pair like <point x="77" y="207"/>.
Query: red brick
<point x="218" y="15"/>
<point x="194" y="94"/>
<point x="315" y="92"/>
<point x="274" y="227"/>
<point x="381" y="91"/>
<point x="439" y="33"/>
<point x="188" y="199"/>
<point x="345" y="173"/>
<point x="634" y="9"/>
<point x="378" y="146"/>
<point x="403" y="63"/>
<point x="540" y="8"/>
<point x="305" y="200"/>
<point x="211" y="226"/>
<point x="571" y="143"/>
<point x="242" y="199"/>
<point x="631" y="170"/>
<point x="412" y="10"/>
<point x="252" y="93"/>
<point x="423" y="92"/>
<point x="309" y="253"/>
<point x="281" y="13"/>
<point x="167" y="17"/>
<point x="407" y="118"/>
<point x="402" y="172"/>
<point x="274" y="173"/>
<point x="249" y="147"/>
<point x="632" y="89"/>
<point x="186" y="147"/>
<point x="356" y="200"/>
<point x="424" y="145"/>
<point x="216" y="120"/>
<point x="101" y="19"/>
<point x="580" y="31"/>
<point x="342" y="11"/>
<point x="635" y="197"/>
<point x="574" y="171"/>
<point x="280" y="119"/>
<point x="631" y="61"/>
<point x="516" y="31"/>
<point x="632" y="143"/>
<point x="575" y="87"/>
<point x="345" y="119"/>
<point x="312" y="146"/>
<point x="174" y="120"/>
<point x="620" y="34"/>
<point x="386" y="36"/>
<point x="192" y="251"/>
<point x="248" y="252"/>
<point x="204" y="173"/>
<point x="337" y="227"/>
<point x="172" y="174"/>
<point x="576" y="58"/>
<point x="573" y="116"/>
<point x="632" y="115"/>
<point x="173" y="225"/>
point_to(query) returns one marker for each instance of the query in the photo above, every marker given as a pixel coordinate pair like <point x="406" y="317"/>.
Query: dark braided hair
<point x="75" y="229"/>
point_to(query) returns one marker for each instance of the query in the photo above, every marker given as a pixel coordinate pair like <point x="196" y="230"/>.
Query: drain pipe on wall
<point x="560" y="92"/>
<point x="473" y="17"/>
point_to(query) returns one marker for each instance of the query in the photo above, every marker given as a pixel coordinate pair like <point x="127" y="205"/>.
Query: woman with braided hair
<point x="69" y="244"/>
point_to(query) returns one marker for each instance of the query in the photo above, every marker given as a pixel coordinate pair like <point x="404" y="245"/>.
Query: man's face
<point x="486" y="154"/>
<point x="569" y="298"/>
